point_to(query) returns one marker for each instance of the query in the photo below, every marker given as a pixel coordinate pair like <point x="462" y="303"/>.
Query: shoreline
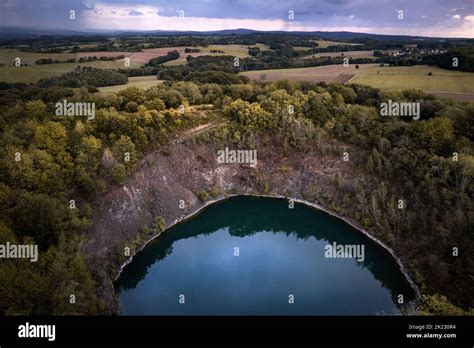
<point x="316" y="206"/>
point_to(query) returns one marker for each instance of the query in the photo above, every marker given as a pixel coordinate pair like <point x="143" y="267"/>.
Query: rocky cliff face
<point x="160" y="182"/>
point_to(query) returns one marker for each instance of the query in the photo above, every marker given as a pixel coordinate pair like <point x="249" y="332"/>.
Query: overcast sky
<point x="446" y="18"/>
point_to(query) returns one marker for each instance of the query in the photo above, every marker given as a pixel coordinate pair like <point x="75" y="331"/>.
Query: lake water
<point x="255" y="256"/>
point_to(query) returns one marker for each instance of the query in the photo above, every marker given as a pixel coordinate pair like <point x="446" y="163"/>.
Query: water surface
<point x="281" y="254"/>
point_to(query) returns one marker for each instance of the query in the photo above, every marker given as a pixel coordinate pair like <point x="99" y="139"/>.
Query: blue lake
<point x="255" y="256"/>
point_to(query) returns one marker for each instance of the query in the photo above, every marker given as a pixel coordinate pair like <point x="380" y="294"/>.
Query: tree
<point x="132" y="94"/>
<point x="190" y="91"/>
<point x="248" y="116"/>
<point x="36" y="109"/>
<point x="212" y="93"/>
<point x="439" y="305"/>
<point x="52" y="137"/>
<point x="118" y="173"/>
<point x="155" y="104"/>
<point x="172" y="98"/>
<point x="125" y="149"/>
<point x="437" y="134"/>
<point x="44" y="219"/>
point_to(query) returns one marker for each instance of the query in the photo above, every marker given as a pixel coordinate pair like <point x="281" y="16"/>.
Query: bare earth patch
<point x="328" y="74"/>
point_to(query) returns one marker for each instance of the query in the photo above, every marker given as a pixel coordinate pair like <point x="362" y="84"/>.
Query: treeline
<point x="191" y="50"/>
<point x="142" y="71"/>
<point x="52" y="43"/>
<point x="252" y="64"/>
<point x="86" y="76"/>
<point x="343" y="48"/>
<point x="172" y="55"/>
<point x="224" y="69"/>
<point x="102" y="58"/>
<point x="459" y="58"/>
<point x="53" y="61"/>
<point x="205" y="69"/>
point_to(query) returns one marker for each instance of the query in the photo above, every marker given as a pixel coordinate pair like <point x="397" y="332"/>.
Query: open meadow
<point x="144" y="82"/>
<point x="327" y="73"/>
<point x="441" y="81"/>
<point x="32" y="73"/>
<point x="406" y="77"/>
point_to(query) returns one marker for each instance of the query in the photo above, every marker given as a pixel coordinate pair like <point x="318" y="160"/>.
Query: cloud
<point x="469" y="18"/>
<point x="421" y="17"/>
<point x="134" y="13"/>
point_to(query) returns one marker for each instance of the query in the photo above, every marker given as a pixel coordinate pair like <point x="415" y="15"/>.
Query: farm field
<point x="327" y="73"/>
<point x="7" y="56"/>
<point x="117" y="64"/>
<point x="406" y="77"/>
<point x="138" y="81"/>
<point x="29" y="74"/>
<point x="33" y="73"/>
<point x="454" y="84"/>
<point x="326" y="43"/>
<point x="240" y="51"/>
<point x="351" y="54"/>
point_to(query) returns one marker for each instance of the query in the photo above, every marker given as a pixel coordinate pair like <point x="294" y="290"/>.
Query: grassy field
<point x="240" y="51"/>
<point x="26" y="74"/>
<point x="328" y="73"/>
<point x="326" y="43"/>
<point x="32" y="73"/>
<point x="351" y="54"/>
<point x="443" y="82"/>
<point x="140" y="58"/>
<point x="7" y="56"/>
<point x="112" y="64"/>
<point x="138" y="81"/>
<point x="175" y="62"/>
<point x="397" y="78"/>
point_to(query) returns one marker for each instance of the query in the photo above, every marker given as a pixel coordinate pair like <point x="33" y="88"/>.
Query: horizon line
<point x="219" y="30"/>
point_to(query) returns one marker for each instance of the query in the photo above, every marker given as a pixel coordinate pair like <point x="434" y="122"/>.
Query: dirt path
<point x="196" y="130"/>
<point x="353" y="77"/>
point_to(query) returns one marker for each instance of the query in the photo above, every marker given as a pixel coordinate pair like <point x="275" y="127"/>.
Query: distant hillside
<point x="25" y="33"/>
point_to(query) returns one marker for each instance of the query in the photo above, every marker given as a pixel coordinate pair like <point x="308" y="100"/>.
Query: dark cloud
<point x="327" y="13"/>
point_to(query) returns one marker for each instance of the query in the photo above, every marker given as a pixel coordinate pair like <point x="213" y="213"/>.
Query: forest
<point x="430" y="163"/>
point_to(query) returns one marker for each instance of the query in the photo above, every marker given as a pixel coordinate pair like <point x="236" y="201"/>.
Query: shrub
<point x="203" y="195"/>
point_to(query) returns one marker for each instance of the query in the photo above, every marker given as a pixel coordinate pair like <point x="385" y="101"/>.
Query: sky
<point x="442" y="18"/>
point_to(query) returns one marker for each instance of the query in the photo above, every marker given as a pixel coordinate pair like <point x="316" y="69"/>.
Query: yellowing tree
<point x="52" y="137"/>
